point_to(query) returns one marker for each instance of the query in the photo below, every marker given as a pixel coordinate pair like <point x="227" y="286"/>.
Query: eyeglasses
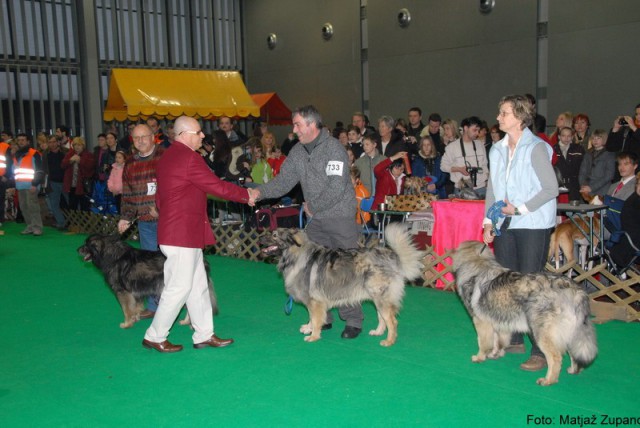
<point x="504" y="113"/>
<point x="198" y="132"/>
<point x="141" y="137"/>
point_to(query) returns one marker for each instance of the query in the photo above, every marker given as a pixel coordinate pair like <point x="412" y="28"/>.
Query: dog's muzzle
<point x="86" y="255"/>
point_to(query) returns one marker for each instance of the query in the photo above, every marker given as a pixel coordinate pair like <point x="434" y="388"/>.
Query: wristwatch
<point x="516" y="211"/>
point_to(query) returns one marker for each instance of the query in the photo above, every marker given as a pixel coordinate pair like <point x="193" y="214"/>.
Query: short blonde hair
<point x="79" y="141"/>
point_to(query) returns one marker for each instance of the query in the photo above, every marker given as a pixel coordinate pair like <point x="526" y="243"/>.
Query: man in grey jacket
<point x="321" y="165"/>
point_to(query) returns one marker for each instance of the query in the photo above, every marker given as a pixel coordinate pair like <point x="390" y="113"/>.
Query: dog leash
<point x="495" y="214"/>
<point x="288" y="306"/>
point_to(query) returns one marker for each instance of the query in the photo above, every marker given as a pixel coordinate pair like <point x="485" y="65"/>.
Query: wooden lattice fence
<point x="240" y="241"/>
<point x="604" y="286"/>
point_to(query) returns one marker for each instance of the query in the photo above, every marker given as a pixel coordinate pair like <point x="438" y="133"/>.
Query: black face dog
<point x="132" y="274"/>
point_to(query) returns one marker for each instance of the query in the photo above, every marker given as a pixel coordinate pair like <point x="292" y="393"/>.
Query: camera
<point x="623" y="122"/>
<point x="473" y="173"/>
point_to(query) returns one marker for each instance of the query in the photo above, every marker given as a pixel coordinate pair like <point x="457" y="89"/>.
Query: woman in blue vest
<point x="522" y="177"/>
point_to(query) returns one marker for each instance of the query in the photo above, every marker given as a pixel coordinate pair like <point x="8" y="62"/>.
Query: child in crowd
<point x="598" y="168"/>
<point x="361" y="193"/>
<point x="114" y="183"/>
<point x="389" y="178"/>
<point x="276" y="159"/>
<point x="261" y="171"/>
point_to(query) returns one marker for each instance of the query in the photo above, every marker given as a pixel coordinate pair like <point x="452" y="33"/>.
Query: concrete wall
<point x="451" y="59"/>
<point x="593" y="59"/>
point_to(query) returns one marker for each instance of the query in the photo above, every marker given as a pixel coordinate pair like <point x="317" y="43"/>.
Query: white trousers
<point x="185" y="281"/>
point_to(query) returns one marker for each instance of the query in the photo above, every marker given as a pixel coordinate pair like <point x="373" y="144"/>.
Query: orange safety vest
<point x="4" y="149"/>
<point x="25" y="172"/>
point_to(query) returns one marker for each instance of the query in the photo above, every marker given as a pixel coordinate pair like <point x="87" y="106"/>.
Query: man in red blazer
<point x="183" y="230"/>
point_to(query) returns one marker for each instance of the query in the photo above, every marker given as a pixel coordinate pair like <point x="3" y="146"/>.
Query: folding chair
<point x="365" y="207"/>
<point x="613" y="224"/>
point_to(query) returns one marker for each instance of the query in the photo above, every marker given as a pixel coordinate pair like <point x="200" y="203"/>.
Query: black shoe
<point x="350" y="332"/>
<point x="327" y="326"/>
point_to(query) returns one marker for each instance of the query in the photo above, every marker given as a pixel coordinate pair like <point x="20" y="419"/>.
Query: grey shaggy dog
<point x="322" y="278"/>
<point x="132" y="274"/>
<point x="500" y="302"/>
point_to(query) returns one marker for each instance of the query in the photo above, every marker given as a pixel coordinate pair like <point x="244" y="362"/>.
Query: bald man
<point x="184" y="181"/>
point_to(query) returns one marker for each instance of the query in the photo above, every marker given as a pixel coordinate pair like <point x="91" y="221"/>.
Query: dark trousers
<point x="338" y="233"/>
<point x="523" y="250"/>
<point x="3" y="197"/>
<point x="78" y="202"/>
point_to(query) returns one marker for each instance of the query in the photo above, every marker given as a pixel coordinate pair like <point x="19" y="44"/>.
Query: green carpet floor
<point x="65" y="362"/>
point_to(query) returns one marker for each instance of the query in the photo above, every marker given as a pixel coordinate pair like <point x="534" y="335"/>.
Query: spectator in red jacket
<point x="389" y="177"/>
<point x="79" y="168"/>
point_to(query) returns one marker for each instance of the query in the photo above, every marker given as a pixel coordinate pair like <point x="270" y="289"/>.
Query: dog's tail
<point x="411" y="259"/>
<point x="583" y="346"/>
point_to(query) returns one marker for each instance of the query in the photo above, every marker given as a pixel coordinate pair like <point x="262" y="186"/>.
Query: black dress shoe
<point x="214" y="342"/>
<point x="350" y="332"/>
<point x="327" y="326"/>
<point x="165" y="346"/>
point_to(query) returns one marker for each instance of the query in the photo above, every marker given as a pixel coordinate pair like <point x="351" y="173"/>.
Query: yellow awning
<point x="140" y="93"/>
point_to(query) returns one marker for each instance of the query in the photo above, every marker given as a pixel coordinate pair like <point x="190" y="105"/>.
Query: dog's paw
<point x="478" y="358"/>
<point x="574" y="370"/>
<point x="128" y="324"/>
<point x="185" y="321"/>
<point x="387" y="342"/>
<point x="495" y="354"/>
<point x="306" y="328"/>
<point x="311" y="338"/>
<point x="543" y="381"/>
<point x="376" y="332"/>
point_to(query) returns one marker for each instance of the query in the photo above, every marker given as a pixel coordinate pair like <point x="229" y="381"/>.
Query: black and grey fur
<point x="322" y="278"/>
<point x="551" y="307"/>
<point x="132" y="274"/>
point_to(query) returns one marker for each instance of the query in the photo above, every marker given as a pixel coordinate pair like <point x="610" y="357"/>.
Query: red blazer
<point x="86" y="169"/>
<point x="385" y="183"/>
<point x="183" y="183"/>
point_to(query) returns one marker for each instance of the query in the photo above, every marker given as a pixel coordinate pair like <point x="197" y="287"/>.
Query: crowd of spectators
<point x="69" y="176"/>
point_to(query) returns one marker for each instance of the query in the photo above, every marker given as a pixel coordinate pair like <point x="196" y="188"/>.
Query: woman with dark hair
<point x="496" y="134"/>
<point x="354" y="140"/>
<point x="221" y="153"/>
<point x="581" y="126"/>
<point x="522" y="179"/>
<point x="389" y="178"/>
<point x="625" y="133"/>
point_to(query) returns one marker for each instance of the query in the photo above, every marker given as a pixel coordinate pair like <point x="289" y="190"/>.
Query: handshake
<point x="254" y="195"/>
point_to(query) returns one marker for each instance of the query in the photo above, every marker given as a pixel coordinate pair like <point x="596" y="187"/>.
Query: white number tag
<point x="334" y="168"/>
<point x="151" y="188"/>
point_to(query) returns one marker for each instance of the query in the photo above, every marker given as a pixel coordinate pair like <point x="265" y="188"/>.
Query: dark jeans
<point x="522" y="250"/>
